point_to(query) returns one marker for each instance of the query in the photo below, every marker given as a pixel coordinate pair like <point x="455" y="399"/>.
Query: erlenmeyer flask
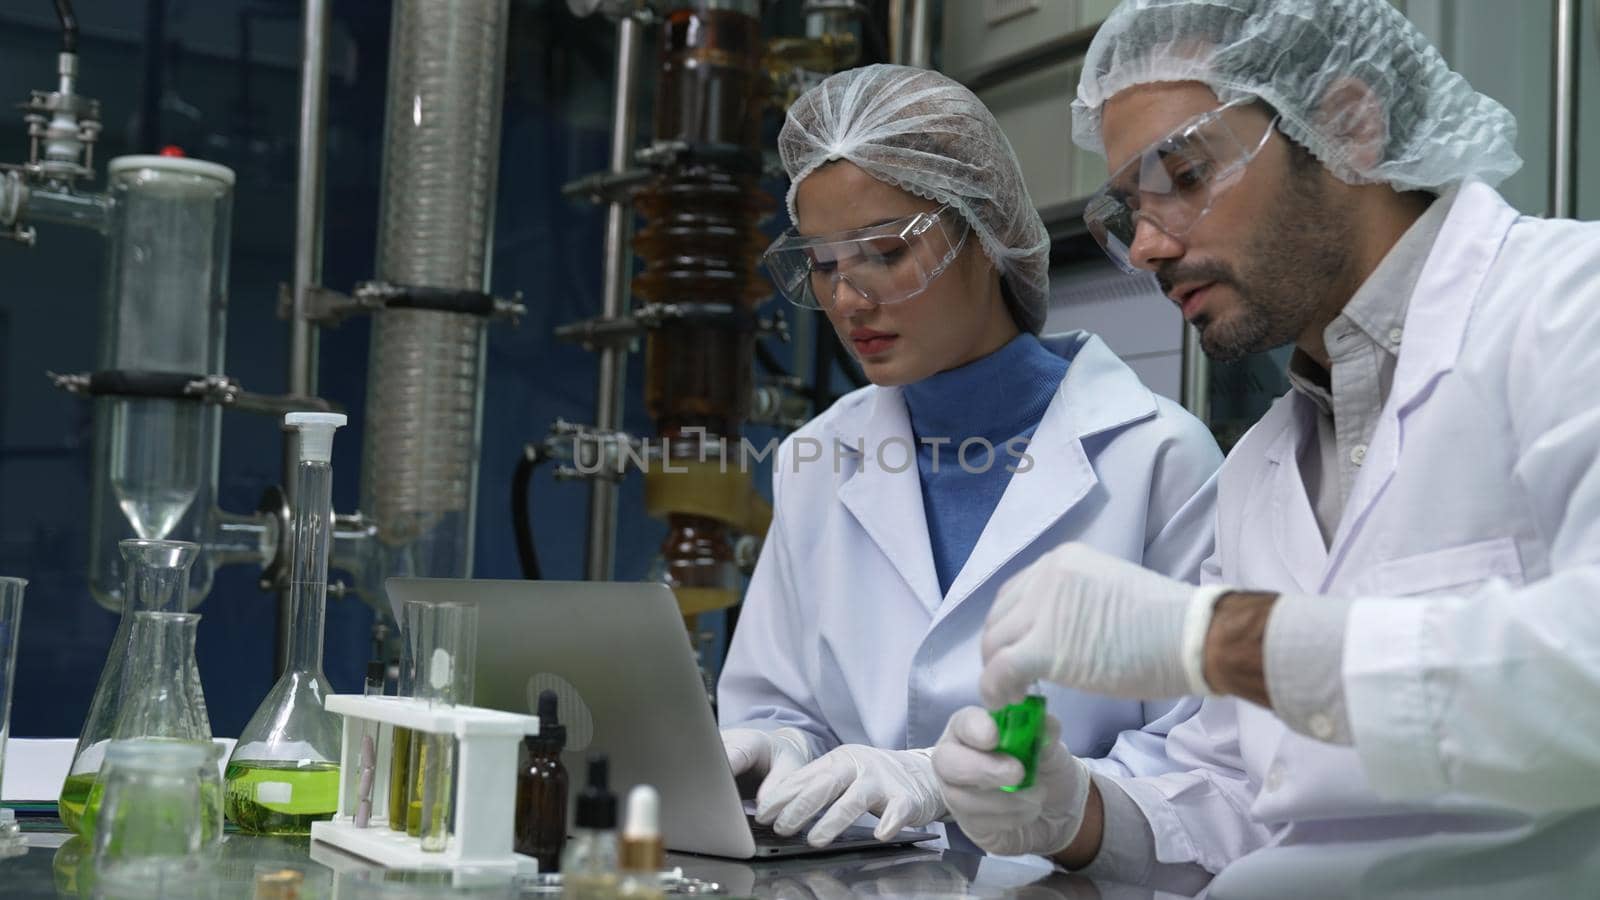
<point x="284" y="772"/>
<point x="157" y="579"/>
<point x="159" y="700"/>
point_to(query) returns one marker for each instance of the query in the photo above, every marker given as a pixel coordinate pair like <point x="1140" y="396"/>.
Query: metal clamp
<point x="780" y="401"/>
<point x="220" y="390"/>
<point x="588" y="453"/>
<point x="328" y="307"/>
<point x="604" y="331"/>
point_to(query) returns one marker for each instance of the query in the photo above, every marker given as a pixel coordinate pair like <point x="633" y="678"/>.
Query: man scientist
<point x="1398" y="636"/>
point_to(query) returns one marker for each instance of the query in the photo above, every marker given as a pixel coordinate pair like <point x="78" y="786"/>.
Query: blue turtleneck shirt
<point x="998" y="398"/>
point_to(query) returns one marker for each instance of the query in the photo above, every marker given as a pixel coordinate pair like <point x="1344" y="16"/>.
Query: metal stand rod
<point x="307" y="249"/>
<point x="602" y="539"/>
<point x="1564" y="112"/>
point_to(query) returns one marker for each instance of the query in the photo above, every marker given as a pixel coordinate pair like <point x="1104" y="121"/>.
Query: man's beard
<point x="1297" y="260"/>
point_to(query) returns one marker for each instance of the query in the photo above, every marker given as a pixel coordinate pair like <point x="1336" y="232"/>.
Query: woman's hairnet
<point x="1309" y="59"/>
<point x="924" y="133"/>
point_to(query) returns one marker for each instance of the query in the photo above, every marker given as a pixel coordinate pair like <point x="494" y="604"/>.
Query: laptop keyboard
<point x="766" y="836"/>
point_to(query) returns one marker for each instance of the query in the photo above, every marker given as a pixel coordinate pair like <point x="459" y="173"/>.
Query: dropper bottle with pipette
<point x="284" y="772"/>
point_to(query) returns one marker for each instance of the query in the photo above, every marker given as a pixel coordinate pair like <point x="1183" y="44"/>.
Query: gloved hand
<point x="1042" y="819"/>
<point x="897" y="786"/>
<point x="769" y="755"/>
<point x="1088" y="620"/>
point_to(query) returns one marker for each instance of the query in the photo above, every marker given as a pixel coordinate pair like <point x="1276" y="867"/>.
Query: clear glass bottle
<point x="589" y="863"/>
<point x="160" y="702"/>
<point x="284" y="772"/>
<point x="157" y="579"/>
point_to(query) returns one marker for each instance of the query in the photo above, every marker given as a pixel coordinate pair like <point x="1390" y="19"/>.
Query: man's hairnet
<point x="924" y="133"/>
<point x="1309" y="59"/>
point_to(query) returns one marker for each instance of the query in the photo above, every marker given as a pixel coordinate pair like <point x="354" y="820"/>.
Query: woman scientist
<point x="978" y="447"/>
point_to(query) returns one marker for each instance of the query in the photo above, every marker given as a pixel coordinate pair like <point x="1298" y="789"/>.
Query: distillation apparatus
<point x="697" y="187"/>
<point x="161" y="384"/>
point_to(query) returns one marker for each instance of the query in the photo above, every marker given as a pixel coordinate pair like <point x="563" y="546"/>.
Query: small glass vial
<point x="643" y="854"/>
<point x="1022" y="731"/>
<point x="589" y="863"/>
<point x="542" y="789"/>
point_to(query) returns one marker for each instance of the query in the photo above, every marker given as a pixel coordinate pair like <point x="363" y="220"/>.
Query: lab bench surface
<point x="57" y="863"/>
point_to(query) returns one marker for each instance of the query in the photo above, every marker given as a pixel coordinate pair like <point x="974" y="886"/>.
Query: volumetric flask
<point x="157" y="579"/>
<point x="284" y="772"/>
<point x="158" y="700"/>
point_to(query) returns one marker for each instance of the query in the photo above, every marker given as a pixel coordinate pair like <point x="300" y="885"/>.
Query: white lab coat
<point x="844" y="633"/>
<point x="1472" y="659"/>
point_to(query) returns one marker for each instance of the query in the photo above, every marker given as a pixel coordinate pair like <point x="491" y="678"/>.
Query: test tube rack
<point x="485" y="792"/>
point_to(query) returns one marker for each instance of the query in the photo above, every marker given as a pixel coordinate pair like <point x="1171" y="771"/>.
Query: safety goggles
<point x="1172" y="183"/>
<point x="888" y="263"/>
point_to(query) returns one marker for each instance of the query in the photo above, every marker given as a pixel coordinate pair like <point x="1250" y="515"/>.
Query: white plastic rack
<point x="485" y="785"/>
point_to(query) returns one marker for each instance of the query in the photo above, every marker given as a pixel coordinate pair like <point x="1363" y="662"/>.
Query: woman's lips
<point x="873" y="344"/>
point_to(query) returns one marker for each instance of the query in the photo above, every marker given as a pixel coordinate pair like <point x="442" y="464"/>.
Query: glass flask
<point x="156" y="579"/>
<point x="284" y="772"/>
<point x="159" y="701"/>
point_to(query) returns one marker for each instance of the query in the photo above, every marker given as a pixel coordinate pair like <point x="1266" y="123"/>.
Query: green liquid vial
<point x="1021" y="735"/>
<point x="281" y="799"/>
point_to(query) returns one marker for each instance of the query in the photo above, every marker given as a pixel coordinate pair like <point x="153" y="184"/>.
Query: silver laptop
<point x="621" y="648"/>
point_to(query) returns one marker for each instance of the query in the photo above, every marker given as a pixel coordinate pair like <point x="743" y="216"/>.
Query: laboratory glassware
<point x="400" y="753"/>
<point x="159" y="699"/>
<point x="156" y="579"/>
<point x="163" y="325"/>
<point x="11" y="589"/>
<point x="542" y="789"/>
<point x="152" y="830"/>
<point x="1022" y="731"/>
<point x="446" y="658"/>
<point x="589" y="864"/>
<point x="284" y="772"/>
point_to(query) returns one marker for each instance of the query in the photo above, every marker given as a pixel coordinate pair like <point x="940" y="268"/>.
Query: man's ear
<point x="1351" y="115"/>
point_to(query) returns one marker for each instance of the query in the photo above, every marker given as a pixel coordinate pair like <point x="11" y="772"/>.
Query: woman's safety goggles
<point x="1172" y="183"/>
<point x="887" y="263"/>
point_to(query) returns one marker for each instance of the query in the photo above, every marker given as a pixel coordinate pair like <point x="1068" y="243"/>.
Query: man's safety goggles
<point x="887" y="263"/>
<point x="1172" y="183"/>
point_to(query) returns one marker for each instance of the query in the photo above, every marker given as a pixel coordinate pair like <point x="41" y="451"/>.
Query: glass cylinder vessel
<point x="156" y="580"/>
<point x="284" y="772"/>
<point x="164" y="313"/>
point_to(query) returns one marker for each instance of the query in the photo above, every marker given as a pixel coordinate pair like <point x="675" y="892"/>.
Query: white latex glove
<point x="1042" y="819"/>
<point x="771" y="756"/>
<point x="897" y="786"/>
<point x="1091" y="621"/>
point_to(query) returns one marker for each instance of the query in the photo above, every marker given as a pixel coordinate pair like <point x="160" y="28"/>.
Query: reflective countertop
<point x="57" y="864"/>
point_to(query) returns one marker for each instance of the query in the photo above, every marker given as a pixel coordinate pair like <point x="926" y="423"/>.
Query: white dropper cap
<point x="643" y="821"/>
<point x="316" y="433"/>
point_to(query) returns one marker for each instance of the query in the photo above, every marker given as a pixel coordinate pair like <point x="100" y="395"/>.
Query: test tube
<point x="368" y="766"/>
<point x="400" y="758"/>
<point x="447" y="646"/>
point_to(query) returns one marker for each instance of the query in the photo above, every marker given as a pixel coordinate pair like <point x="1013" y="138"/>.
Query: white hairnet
<point x="1304" y="57"/>
<point x="924" y="133"/>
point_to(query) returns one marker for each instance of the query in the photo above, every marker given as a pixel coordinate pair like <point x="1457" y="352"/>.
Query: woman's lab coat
<point x="1472" y="661"/>
<point x="844" y="633"/>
